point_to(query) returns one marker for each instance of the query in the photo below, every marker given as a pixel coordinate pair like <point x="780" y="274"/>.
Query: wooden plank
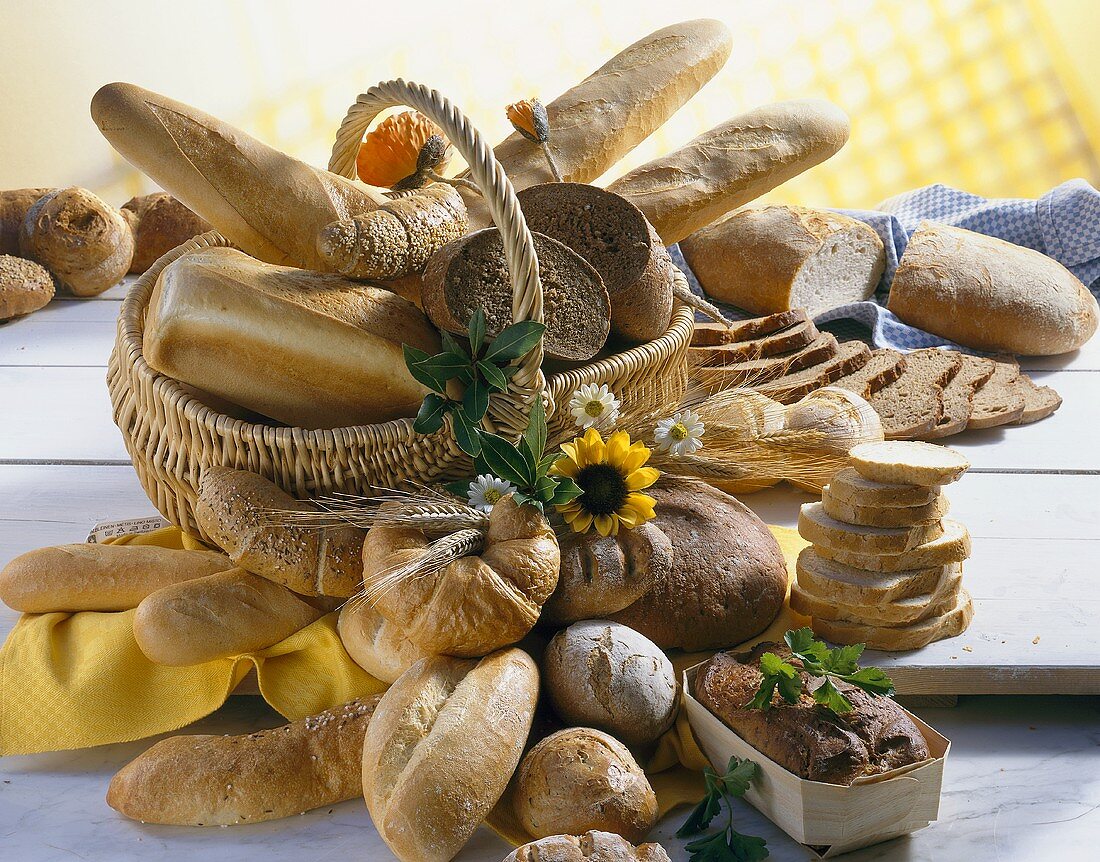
<point x="62" y="333"/>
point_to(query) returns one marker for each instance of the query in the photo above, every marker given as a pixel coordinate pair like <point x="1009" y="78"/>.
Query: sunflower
<point x="610" y="476"/>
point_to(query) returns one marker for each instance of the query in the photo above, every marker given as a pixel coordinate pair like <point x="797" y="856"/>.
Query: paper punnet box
<point x="829" y="818"/>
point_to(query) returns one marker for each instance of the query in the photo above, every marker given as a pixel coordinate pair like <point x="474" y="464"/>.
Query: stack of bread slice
<point x="885" y="565"/>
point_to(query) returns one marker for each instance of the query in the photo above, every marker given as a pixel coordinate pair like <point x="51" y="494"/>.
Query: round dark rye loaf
<point x="728" y="576"/>
<point x="471" y="272"/>
<point x="611" y="234"/>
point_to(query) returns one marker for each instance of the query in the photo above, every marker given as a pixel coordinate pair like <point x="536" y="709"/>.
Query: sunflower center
<point x="593" y="408"/>
<point x="678" y="432"/>
<point x="604" y="489"/>
<point x="492" y="495"/>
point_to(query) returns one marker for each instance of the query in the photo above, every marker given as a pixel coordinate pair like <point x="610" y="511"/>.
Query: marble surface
<point x="1022" y="784"/>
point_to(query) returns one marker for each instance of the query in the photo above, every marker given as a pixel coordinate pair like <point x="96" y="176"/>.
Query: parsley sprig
<point x="817" y="660"/>
<point x="726" y="845"/>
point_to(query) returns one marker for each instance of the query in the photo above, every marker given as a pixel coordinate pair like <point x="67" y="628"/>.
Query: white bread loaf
<point x="989" y="294"/>
<point x="307" y="349"/>
<point x="817" y="527"/>
<point x="908" y="461"/>
<point x="732" y="164"/>
<point x="902" y="637"/>
<point x="272" y="206"/>
<point x="441" y="748"/>
<point x="374" y="643"/>
<point x="774" y="258"/>
<point x="952" y="547"/>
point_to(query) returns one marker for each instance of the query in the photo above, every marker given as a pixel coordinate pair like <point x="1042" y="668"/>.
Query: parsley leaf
<point x="726" y="845"/>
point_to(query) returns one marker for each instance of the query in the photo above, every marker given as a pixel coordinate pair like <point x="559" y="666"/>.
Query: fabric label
<point x="112" y="529"/>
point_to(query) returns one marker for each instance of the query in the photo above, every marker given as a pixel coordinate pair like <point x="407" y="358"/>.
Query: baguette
<point x="817" y="527"/>
<point x="233" y="509"/>
<point x="952" y="547"/>
<point x="86" y="577"/>
<point x="905" y="637"/>
<point x="912" y="462"/>
<point x="216" y="780"/>
<point x="849" y="487"/>
<point x="270" y="205"/>
<point x="219" y="616"/>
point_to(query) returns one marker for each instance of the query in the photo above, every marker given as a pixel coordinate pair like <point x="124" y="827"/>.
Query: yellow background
<point x="989" y="96"/>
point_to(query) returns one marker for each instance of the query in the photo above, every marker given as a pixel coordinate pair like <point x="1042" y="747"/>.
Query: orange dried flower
<point x="529" y="119"/>
<point x="400" y="152"/>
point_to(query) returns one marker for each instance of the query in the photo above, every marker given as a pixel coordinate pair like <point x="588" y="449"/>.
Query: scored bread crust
<point x="850" y="487"/>
<point x="952" y="547"/>
<point x="842" y="583"/>
<point x="817" y="527"/>
<point x="593" y="846"/>
<point x="900" y="638"/>
<point x="909" y="462"/>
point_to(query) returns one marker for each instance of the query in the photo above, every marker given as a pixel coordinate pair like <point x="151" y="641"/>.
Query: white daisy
<point x="594" y="406"/>
<point x="681" y="434"/>
<point x="485" y="490"/>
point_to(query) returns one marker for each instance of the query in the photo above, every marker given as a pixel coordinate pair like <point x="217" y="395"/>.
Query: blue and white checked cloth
<point x="1064" y="224"/>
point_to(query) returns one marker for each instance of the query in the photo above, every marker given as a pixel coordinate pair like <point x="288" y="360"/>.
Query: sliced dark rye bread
<point x="1039" y="401"/>
<point x="785" y="341"/>
<point x="711" y="333"/>
<point x="850" y="356"/>
<point x="912" y="405"/>
<point x="998" y="401"/>
<point x="884" y="367"/>
<point x="958" y="395"/>
<point x="822" y="348"/>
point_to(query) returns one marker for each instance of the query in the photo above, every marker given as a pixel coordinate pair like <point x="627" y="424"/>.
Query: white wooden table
<point x="1022" y="779"/>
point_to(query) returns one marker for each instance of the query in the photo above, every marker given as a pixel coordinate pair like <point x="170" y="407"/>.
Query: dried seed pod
<point x="397" y="238"/>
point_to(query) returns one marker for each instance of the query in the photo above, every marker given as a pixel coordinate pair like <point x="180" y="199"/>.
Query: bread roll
<point x="474" y="604"/>
<point x="581" y="779"/>
<point x="159" y="223"/>
<point x="236" y="509"/>
<point x="844" y="418"/>
<point x="269" y="204"/>
<point x="604" y="675"/>
<point x="83" y="241"/>
<point x="14" y="204"/>
<point x="218" y="616"/>
<point x="88" y="577"/>
<point x="989" y="294"/>
<point x="593" y="846"/>
<point x="609" y="113"/>
<point x="441" y="748"/>
<point x="776" y="258"/>
<point x="732" y="164"/>
<point x="216" y="780"/>
<point x="25" y="286"/>
<point x="310" y="350"/>
<point x="376" y="644"/>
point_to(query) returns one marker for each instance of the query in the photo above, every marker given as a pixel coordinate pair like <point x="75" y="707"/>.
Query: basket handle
<point x="488" y="174"/>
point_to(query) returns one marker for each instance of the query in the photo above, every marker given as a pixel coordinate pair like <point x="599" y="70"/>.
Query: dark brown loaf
<point x="786" y="340"/>
<point x="883" y="368"/>
<point x="998" y="401"/>
<point x="593" y="846"/>
<point x="755" y="371"/>
<point x="876" y="737"/>
<point x="851" y="356"/>
<point x="611" y="234"/>
<point x="728" y="575"/>
<point x="159" y="223"/>
<point x="912" y="405"/>
<point x="206" y="780"/>
<point x="958" y="395"/>
<point x="14" y="204"/>
<point x="472" y="272"/>
<point x="708" y="333"/>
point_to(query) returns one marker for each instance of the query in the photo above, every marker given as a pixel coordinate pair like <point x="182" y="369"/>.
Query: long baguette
<point x="89" y="577"/>
<point x="271" y="205"/>
<point x="732" y="164"/>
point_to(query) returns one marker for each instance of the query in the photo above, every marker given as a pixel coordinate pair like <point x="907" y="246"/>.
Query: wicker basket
<point x="171" y="436"/>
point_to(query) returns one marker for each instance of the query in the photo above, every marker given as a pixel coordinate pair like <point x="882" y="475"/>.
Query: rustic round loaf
<point x="25" y="286"/>
<point x="593" y="846"/>
<point x="159" y="223"/>
<point x="605" y="675"/>
<point x="580" y="779"/>
<point x="374" y="643"/>
<point x="728" y="576"/>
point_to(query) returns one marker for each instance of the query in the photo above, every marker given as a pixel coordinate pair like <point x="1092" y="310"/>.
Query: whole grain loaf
<point x="851" y="356"/>
<point x="998" y="401"/>
<point x="958" y="395"/>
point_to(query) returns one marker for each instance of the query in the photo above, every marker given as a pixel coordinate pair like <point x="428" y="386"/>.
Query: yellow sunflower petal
<point x="570" y="450"/>
<point x="581" y="523"/>
<point x="595" y="451"/>
<point x="568" y="510"/>
<point x="641" y="503"/>
<point x="643" y="477"/>
<point x="565" y="467"/>
<point x="618" y="444"/>
<point x="629" y="517"/>
<point x="637" y="456"/>
<point x="606" y="525"/>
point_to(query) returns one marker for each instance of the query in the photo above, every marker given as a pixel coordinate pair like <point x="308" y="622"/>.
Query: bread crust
<point x="159" y="223"/>
<point x="25" y="286"/>
<point x="593" y="846"/>
<point x="374" y="643"/>
<point x="14" y="204"/>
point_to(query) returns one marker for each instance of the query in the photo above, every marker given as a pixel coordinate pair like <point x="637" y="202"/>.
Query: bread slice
<point x="952" y="547"/>
<point x="821" y="349"/>
<point x="851" y="355"/>
<point x="710" y="333"/>
<point x="910" y="462"/>
<point x="998" y="401"/>
<point x="786" y="340"/>
<point x="883" y="368"/>
<point x="904" y="611"/>
<point x="884" y="516"/>
<point x="848" y="486"/>
<point x="906" y="637"/>
<point x="841" y="583"/>
<point x="817" y="527"/>
<point x="958" y="395"/>
<point x="1039" y="401"/>
<point x="912" y="405"/>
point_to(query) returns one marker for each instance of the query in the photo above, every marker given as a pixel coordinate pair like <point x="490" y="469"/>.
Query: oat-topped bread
<point x="912" y="405"/>
<point x="883" y="368"/>
<point x="998" y="401"/>
<point x="711" y="332"/>
<point x="593" y="846"/>
<point x="611" y="234"/>
<point x="805" y="738"/>
<point x="25" y="286"/>
<point x="471" y="272"/>
<point x="958" y="395"/>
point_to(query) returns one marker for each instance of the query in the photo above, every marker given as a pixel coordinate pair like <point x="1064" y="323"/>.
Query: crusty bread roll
<point x="159" y="223"/>
<point x="25" y="286"/>
<point x="593" y="846"/>
<point x="269" y="204"/>
<point x="308" y="349"/>
<point x="732" y="164"/>
<point x="614" y="109"/>
<point x="441" y="748"/>
<point x="237" y="510"/>
<point x="226" y="614"/>
<point x="374" y="643"/>
<point x="475" y="604"/>
<point x="216" y="780"/>
<point x="770" y="259"/>
<point x="989" y="294"/>
<point x="14" y="204"/>
<point x="90" y="577"/>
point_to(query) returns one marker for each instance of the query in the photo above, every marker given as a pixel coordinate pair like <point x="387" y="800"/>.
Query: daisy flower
<point x="681" y="434"/>
<point x="486" y="490"/>
<point x="594" y="406"/>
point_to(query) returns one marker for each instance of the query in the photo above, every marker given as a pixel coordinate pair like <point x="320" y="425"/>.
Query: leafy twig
<point x="726" y="845"/>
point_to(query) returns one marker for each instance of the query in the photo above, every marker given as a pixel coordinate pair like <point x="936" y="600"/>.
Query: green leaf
<point x="790" y="688"/>
<point x="477" y="331"/>
<point x="430" y="418"/>
<point x="515" y="341"/>
<point x="739" y="775"/>
<point x="522" y="499"/>
<point x="763" y="697"/>
<point x="535" y="435"/>
<point x="493" y="375"/>
<point x="773" y="665"/>
<point x="505" y="461"/>
<point x="444" y="366"/>
<point x="475" y="400"/>
<point x="843" y="659"/>
<point x="466" y="433"/>
<point x="459" y="489"/>
<point x="547" y="461"/>
<point x="413" y="358"/>
<point x="872" y="680"/>
<point x="567" y="490"/>
<point x="802" y="642"/>
<point x="453" y="345"/>
<point x="747" y="848"/>
<point x="546" y="488"/>
<point x="830" y="697"/>
<point x="707" y="809"/>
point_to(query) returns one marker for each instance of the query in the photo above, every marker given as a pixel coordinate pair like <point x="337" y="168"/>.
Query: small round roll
<point x="375" y="644"/>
